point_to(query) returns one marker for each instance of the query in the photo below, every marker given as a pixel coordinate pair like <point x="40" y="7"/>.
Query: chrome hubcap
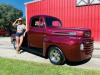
<point x="54" y="55"/>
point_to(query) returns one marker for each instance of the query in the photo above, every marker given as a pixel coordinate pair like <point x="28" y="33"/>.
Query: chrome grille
<point x="88" y="46"/>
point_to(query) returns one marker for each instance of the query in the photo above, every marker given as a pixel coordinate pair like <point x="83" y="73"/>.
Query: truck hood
<point x="61" y="30"/>
<point x="69" y="31"/>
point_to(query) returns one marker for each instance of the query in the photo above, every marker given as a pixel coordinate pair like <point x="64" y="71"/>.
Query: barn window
<point x="82" y="2"/>
<point x="87" y="2"/>
<point x="94" y="1"/>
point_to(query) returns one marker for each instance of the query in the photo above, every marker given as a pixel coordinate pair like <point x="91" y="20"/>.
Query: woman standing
<point x="19" y="33"/>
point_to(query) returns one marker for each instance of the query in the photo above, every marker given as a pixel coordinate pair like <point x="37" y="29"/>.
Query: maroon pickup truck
<point x="48" y="38"/>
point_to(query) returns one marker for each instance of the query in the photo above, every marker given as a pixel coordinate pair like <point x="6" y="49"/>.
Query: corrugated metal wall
<point x="69" y="14"/>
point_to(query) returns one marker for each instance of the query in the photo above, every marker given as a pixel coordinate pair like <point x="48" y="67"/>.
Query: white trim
<point x="32" y="2"/>
<point x="26" y="17"/>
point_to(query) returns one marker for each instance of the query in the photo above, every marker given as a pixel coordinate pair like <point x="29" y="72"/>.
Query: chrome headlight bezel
<point x="87" y="34"/>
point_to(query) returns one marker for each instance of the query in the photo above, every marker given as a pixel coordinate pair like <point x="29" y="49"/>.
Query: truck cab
<point x="48" y="38"/>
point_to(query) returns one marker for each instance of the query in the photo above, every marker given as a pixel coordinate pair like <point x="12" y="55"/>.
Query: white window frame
<point x="94" y="1"/>
<point x="82" y="2"/>
<point x="87" y="2"/>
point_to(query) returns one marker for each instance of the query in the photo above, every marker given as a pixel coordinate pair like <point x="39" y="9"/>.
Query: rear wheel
<point x="14" y="44"/>
<point x="56" y="56"/>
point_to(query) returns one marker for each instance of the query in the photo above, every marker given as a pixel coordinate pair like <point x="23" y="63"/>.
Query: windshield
<point x="53" y="22"/>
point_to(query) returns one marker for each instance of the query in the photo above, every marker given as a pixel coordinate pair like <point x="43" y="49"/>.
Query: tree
<point x="24" y="20"/>
<point x="8" y="14"/>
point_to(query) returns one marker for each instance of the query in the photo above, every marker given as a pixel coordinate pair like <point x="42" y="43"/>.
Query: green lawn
<point x="17" y="67"/>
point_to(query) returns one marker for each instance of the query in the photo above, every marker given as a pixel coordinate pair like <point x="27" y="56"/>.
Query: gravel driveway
<point x="7" y="51"/>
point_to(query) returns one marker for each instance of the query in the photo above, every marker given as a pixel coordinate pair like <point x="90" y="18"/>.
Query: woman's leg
<point x="21" y="40"/>
<point x="17" y="43"/>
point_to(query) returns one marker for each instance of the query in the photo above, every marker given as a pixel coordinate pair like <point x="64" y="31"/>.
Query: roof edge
<point x="32" y="2"/>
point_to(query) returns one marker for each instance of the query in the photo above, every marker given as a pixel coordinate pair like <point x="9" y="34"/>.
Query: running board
<point x="37" y="51"/>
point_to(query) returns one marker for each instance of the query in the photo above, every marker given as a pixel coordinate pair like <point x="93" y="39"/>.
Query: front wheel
<point x="56" y="56"/>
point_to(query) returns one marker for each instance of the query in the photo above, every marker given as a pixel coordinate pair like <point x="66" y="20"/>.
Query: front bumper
<point x="73" y="53"/>
<point x="88" y="49"/>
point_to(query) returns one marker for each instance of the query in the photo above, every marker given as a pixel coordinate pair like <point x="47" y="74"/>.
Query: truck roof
<point x="45" y="16"/>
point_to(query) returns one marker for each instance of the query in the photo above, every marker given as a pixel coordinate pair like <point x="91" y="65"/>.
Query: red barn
<point x="72" y="13"/>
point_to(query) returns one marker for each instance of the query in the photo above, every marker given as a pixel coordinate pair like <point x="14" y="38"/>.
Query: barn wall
<point x="69" y="14"/>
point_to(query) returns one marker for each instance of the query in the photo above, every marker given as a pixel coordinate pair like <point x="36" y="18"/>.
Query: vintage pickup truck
<point x="48" y="38"/>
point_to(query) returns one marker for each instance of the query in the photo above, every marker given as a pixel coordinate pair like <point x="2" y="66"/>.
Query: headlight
<point x="82" y="47"/>
<point x="87" y="34"/>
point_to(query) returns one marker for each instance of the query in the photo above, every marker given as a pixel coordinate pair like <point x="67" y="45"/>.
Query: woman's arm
<point x="15" y="22"/>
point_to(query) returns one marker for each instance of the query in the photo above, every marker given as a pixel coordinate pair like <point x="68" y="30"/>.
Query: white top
<point x="20" y="28"/>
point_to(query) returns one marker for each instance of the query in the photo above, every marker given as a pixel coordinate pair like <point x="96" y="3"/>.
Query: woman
<point x="19" y="33"/>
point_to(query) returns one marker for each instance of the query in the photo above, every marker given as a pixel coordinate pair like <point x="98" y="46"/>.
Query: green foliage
<point x="8" y="14"/>
<point x="24" y="20"/>
<point x="15" y="67"/>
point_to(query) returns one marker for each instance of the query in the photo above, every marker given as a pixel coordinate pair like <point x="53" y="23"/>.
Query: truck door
<point x="36" y="32"/>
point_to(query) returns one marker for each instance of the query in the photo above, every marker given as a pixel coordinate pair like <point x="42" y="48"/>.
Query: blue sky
<point x="16" y="3"/>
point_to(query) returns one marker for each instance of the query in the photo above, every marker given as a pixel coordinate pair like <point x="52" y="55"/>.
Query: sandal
<point x="18" y="50"/>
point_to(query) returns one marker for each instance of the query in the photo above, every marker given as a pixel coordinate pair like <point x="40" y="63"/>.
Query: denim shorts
<point x="19" y="34"/>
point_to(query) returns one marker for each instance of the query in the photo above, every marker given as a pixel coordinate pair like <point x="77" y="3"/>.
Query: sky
<point x="16" y="3"/>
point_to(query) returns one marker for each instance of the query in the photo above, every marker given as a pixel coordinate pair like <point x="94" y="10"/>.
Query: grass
<point x="17" y="67"/>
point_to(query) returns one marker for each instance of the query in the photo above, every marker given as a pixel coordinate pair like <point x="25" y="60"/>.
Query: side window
<point x="53" y="22"/>
<point x="41" y="22"/>
<point x="37" y="22"/>
<point x="34" y="22"/>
